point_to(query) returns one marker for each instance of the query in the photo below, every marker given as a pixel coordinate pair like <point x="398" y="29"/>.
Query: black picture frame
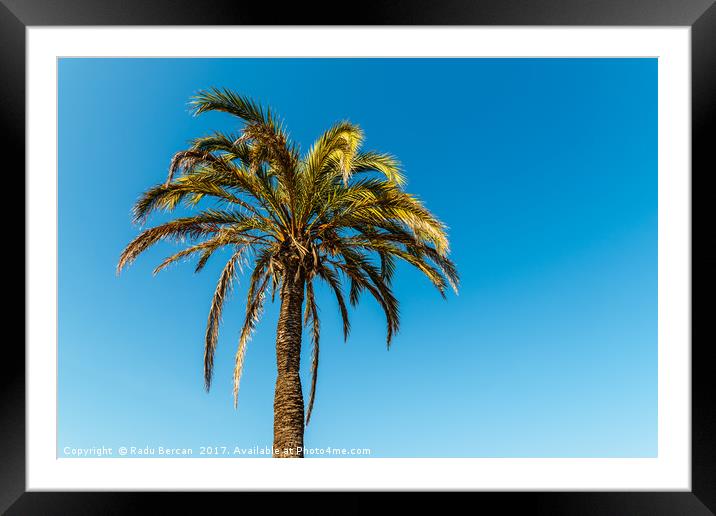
<point x="700" y="15"/>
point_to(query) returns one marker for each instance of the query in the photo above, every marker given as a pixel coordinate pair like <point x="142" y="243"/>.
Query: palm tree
<point x="337" y="213"/>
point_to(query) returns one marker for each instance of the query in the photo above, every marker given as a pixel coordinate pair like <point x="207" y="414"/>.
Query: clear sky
<point x="545" y="171"/>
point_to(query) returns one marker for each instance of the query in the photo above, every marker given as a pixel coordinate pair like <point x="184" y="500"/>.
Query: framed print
<point x="437" y="249"/>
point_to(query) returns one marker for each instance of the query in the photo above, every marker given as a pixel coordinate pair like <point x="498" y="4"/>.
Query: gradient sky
<point x="545" y="171"/>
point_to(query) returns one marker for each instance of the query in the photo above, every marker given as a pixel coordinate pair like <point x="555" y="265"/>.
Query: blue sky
<point x="545" y="171"/>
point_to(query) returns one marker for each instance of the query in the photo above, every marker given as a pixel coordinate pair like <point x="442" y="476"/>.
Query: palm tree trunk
<point x="288" y="398"/>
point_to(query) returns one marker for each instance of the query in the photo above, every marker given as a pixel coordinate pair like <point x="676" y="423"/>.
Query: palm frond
<point x="385" y="164"/>
<point x="206" y="182"/>
<point x="217" y="304"/>
<point x="254" y="307"/>
<point x="178" y="229"/>
<point x="364" y="276"/>
<point x="207" y="248"/>
<point x="312" y="313"/>
<point x="227" y="101"/>
<point x="329" y="276"/>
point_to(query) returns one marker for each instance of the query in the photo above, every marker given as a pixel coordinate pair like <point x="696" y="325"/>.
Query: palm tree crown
<point x="336" y="213"/>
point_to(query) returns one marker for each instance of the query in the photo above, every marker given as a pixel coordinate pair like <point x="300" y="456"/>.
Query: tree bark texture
<point x="288" y="421"/>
